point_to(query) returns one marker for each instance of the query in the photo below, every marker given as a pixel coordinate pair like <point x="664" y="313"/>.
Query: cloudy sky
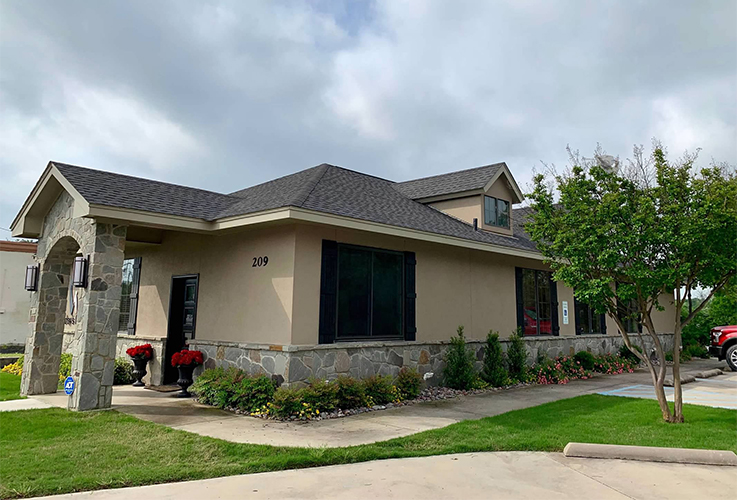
<point x="223" y="95"/>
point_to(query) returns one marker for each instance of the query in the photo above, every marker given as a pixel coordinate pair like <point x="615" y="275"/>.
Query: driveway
<point x="518" y="475"/>
<point x="366" y="428"/>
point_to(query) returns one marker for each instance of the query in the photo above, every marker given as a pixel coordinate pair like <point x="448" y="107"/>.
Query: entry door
<point x="182" y="320"/>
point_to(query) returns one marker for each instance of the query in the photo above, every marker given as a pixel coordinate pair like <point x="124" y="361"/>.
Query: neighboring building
<point x="15" y="301"/>
<point x="321" y="272"/>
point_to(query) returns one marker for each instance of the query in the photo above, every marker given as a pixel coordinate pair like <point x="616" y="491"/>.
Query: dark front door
<point x="182" y="320"/>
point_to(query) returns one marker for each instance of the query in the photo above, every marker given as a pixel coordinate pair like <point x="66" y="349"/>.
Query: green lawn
<point x="57" y="451"/>
<point x="9" y="386"/>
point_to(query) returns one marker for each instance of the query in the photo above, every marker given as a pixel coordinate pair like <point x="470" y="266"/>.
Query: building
<point x="14" y="300"/>
<point x="321" y="272"/>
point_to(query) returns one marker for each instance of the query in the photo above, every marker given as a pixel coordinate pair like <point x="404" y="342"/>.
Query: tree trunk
<point x="677" y="391"/>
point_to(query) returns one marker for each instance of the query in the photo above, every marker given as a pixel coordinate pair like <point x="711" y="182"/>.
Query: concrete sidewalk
<point x="366" y="428"/>
<point x="517" y="475"/>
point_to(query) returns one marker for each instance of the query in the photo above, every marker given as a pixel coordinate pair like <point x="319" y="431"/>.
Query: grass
<point x="9" y="386"/>
<point x="56" y="451"/>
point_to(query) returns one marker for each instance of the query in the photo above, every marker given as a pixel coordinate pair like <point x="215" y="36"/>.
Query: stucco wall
<point x="467" y="209"/>
<point x="15" y="301"/>
<point x="236" y="301"/>
<point x="455" y="286"/>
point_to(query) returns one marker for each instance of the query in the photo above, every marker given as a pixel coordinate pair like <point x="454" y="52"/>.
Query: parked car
<point x="724" y="344"/>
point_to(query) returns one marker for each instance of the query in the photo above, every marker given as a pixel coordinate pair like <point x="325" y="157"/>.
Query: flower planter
<point x="139" y="371"/>
<point x="185" y="379"/>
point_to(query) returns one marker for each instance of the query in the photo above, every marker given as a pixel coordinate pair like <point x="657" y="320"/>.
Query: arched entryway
<point x="41" y="366"/>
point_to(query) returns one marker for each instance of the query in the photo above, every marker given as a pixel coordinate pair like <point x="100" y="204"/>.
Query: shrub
<point x="612" y="364"/>
<point x="14" y="368"/>
<point x="517" y="358"/>
<point x="123" y="372"/>
<point x="350" y="394"/>
<point x="669" y="356"/>
<point x="289" y="402"/>
<point x="379" y="389"/>
<point x="494" y="373"/>
<point x="586" y="359"/>
<point x="233" y="388"/>
<point x="698" y="351"/>
<point x="65" y="366"/>
<point x="408" y="383"/>
<point x="459" y="371"/>
<point x="625" y="352"/>
<point x="560" y="370"/>
<point x="321" y="395"/>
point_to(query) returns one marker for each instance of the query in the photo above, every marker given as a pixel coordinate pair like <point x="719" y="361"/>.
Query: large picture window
<point x="496" y="212"/>
<point x="537" y="302"/>
<point x="366" y="293"/>
<point x="629" y="315"/>
<point x="587" y="321"/>
<point x="129" y="295"/>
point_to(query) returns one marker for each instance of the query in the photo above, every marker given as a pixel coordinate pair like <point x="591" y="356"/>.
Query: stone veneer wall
<point x="155" y="367"/>
<point x="296" y="364"/>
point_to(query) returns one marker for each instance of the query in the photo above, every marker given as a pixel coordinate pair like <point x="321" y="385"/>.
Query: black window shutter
<point x="576" y="315"/>
<point x="520" y="303"/>
<point x="410" y="296"/>
<point x="134" y="296"/>
<point x="328" y="292"/>
<point x="554" y="304"/>
<point x="602" y="321"/>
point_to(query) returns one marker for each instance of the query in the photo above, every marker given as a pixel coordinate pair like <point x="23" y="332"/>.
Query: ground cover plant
<point x="56" y="451"/>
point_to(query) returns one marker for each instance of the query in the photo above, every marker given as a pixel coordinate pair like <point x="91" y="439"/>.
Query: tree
<point x="635" y="234"/>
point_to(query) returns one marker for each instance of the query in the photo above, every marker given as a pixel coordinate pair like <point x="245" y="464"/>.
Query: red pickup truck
<point x="724" y="344"/>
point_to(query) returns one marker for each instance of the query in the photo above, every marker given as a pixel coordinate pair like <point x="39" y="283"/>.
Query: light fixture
<point x="32" y="278"/>
<point x="80" y="272"/>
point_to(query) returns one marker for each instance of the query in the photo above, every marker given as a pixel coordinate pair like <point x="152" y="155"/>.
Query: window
<point x="496" y="212"/>
<point x="587" y="321"/>
<point x="629" y="315"/>
<point x="537" y="302"/>
<point x="366" y="293"/>
<point x="129" y="295"/>
<point x="369" y="293"/>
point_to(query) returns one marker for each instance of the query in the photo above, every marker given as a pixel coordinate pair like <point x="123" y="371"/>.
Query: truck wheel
<point x="732" y="357"/>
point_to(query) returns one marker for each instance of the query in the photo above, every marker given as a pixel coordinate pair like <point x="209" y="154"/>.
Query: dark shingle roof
<point x="125" y="191"/>
<point x="450" y="183"/>
<point x="325" y="188"/>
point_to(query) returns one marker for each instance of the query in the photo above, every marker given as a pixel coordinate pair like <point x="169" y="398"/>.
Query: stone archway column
<point x="93" y="347"/>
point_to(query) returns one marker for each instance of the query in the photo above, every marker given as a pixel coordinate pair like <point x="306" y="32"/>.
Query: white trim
<point x="510" y="180"/>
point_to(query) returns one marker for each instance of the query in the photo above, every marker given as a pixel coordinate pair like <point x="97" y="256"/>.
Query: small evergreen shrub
<point x="517" y="358"/>
<point x="625" y="352"/>
<point x="251" y="393"/>
<point x="494" y="373"/>
<point x="379" y="389"/>
<point x="350" y="394"/>
<point x="408" y="383"/>
<point x="459" y="371"/>
<point x="586" y="359"/>
<point x="288" y="402"/>
<point x="669" y="356"/>
<point x="321" y="395"/>
<point x="123" y="374"/>
<point x="698" y="351"/>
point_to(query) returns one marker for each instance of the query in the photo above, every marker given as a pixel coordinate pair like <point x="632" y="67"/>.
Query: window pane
<point x="489" y="210"/>
<point x="387" y="295"/>
<point x="582" y="318"/>
<point x="545" y="325"/>
<point x="502" y="213"/>
<point x="125" y="294"/>
<point x="529" y="302"/>
<point x="354" y="286"/>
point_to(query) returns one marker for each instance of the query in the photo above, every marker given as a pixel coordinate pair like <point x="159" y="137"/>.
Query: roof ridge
<point x="451" y="173"/>
<point x="310" y="186"/>
<point x="56" y="164"/>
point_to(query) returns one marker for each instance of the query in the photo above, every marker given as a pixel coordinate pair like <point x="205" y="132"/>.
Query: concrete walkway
<point x="518" y="475"/>
<point x="167" y="409"/>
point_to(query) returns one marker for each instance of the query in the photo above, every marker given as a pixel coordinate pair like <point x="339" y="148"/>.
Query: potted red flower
<point x="140" y="355"/>
<point x="186" y="361"/>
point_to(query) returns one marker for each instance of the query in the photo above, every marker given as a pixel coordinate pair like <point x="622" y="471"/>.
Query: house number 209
<point x="260" y="261"/>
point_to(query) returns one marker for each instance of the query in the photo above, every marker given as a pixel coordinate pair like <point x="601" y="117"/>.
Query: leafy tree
<point x="636" y="234"/>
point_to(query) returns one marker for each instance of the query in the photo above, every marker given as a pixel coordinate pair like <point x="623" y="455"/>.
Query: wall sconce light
<point x="32" y="278"/>
<point x="80" y="272"/>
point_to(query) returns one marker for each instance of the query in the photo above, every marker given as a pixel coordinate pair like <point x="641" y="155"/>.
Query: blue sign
<point x="69" y="386"/>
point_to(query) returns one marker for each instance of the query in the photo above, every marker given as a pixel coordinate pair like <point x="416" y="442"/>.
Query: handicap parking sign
<point x="69" y="386"/>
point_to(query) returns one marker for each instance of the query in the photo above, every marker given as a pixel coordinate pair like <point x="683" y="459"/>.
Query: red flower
<point x="186" y="357"/>
<point x="144" y="351"/>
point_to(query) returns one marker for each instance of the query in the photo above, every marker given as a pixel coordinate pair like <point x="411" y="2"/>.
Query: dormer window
<point x="496" y="212"/>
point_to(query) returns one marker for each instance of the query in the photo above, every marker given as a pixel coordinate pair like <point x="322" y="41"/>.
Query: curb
<point x="687" y="378"/>
<point x="651" y="454"/>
